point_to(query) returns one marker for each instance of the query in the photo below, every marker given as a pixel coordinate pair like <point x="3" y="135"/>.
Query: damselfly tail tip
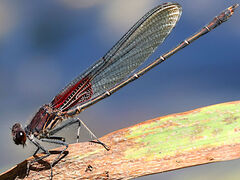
<point x="235" y="5"/>
<point x="226" y="14"/>
<point x="232" y="8"/>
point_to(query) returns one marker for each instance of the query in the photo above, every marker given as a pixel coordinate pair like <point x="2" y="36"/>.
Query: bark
<point x="200" y="136"/>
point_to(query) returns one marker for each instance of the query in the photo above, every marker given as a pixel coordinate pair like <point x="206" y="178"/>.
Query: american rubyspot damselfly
<point x="112" y="72"/>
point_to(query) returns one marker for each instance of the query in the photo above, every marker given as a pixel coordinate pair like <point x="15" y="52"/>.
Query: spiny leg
<point x="36" y="151"/>
<point x="54" y="141"/>
<point x="55" y="138"/>
<point x="80" y="122"/>
<point x="40" y="158"/>
<point x="62" y="126"/>
<point x="66" y="124"/>
<point x="93" y="135"/>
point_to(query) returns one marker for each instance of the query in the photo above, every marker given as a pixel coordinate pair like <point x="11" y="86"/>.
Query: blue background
<point x="45" y="44"/>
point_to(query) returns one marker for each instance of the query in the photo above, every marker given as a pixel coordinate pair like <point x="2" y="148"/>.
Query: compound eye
<point x="18" y="134"/>
<point x="20" y="138"/>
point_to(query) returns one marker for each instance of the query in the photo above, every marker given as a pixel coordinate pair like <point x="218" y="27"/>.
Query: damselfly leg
<point x="80" y="123"/>
<point x="60" y="141"/>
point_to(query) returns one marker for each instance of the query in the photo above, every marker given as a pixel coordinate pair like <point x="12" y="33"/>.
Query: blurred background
<point x="45" y="44"/>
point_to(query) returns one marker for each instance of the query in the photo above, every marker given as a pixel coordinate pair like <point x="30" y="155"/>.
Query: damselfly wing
<point x="127" y="55"/>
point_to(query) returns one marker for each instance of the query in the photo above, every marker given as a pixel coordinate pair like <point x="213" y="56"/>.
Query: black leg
<point x="80" y="122"/>
<point x="66" y="124"/>
<point x="56" y="142"/>
<point x="31" y="138"/>
<point x="55" y="137"/>
<point x="93" y="135"/>
<point x="36" y="151"/>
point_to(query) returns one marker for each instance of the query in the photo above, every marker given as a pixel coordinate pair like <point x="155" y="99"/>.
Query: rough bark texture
<point x="203" y="135"/>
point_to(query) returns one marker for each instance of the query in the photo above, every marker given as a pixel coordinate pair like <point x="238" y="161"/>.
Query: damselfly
<point x="112" y="72"/>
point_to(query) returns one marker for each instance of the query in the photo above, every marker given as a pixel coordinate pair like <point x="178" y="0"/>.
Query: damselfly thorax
<point x="44" y="120"/>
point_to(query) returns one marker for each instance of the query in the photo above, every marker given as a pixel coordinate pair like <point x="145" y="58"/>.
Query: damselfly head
<point x="18" y="134"/>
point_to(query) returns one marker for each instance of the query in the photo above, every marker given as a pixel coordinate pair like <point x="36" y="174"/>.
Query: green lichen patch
<point x="210" y="126"/>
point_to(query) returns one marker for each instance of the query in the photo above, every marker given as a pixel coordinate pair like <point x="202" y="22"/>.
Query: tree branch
<point x="200" y="136"/>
